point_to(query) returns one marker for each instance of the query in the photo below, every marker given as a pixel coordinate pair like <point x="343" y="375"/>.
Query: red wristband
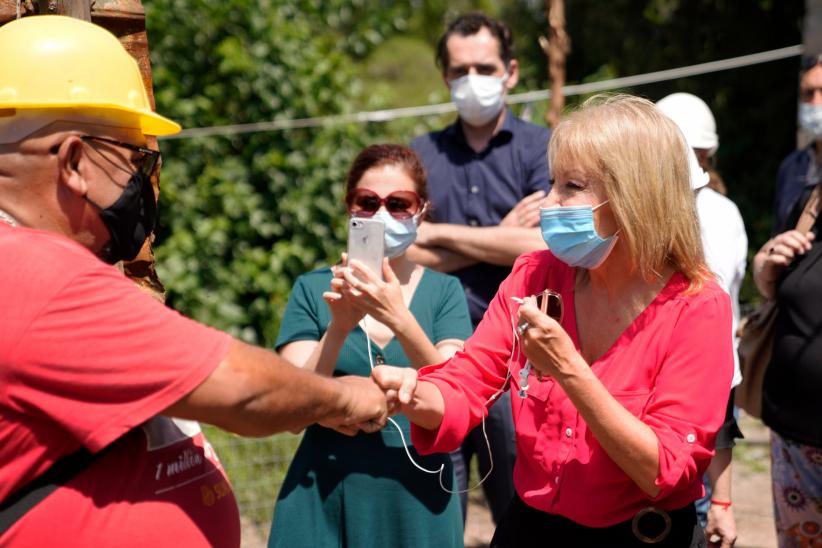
<point x="722" y="503"/>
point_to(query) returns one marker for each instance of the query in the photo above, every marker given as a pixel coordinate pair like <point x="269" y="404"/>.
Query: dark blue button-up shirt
<point x="792" y="180"/>
<point x="479" y="188"/>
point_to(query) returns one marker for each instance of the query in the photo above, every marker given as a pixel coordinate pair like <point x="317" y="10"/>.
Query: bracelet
<point x="722" y="503"/>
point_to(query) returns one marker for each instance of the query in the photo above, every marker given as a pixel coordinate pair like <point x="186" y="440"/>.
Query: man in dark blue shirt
<point x="487" y="177"/>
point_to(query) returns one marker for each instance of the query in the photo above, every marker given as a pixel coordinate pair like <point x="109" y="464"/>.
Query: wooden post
<point x="556" y="48"/>
<point x="80" y="9"/>
<point x="126" y="20"/>
<point x="812" y="29"/>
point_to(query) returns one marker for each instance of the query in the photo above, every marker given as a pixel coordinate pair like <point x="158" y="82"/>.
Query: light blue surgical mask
<point x="810" y="118"/>
<point x="571" y="236"/>
<point x="399" y="233"/>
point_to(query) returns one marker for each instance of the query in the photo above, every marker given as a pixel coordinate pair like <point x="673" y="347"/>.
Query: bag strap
<point x="23" y="500"/>
<point x="810" y="211"/>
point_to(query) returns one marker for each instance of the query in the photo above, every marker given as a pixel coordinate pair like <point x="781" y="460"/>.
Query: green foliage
<point x="241" y="217"/>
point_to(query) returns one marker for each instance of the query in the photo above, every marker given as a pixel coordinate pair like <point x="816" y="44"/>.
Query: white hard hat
<point x="694" y="119"/>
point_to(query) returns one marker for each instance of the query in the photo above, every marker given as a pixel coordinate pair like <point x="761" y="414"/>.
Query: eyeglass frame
<point x="382" y="203"/>
<point x="147" y="164"/>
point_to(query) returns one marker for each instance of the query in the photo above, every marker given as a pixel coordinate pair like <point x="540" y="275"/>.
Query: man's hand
<point x="364" y="406"/>
<point x="721" y="529"/>
<point x="526" y="212"/>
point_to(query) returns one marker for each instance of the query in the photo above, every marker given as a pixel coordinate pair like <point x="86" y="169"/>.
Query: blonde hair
<point x="639" y="155"/>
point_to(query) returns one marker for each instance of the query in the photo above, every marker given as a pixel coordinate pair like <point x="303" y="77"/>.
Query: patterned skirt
<point x="796" y="475"/>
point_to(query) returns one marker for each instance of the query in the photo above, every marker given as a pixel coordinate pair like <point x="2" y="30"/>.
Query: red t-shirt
<point x="671" y="367"/>
<point x="87" y="359"/>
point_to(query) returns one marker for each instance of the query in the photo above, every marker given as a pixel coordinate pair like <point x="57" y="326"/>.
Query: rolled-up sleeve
<point x="687" y="406"/>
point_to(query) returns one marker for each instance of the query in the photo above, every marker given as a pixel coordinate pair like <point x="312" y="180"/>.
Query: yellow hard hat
<point x="56" y="62"/>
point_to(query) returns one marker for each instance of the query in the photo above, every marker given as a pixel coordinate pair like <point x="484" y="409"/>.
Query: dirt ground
<point x="751" y="490"/>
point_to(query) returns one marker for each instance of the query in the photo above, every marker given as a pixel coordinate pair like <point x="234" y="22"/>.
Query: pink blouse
<point x="671" y="368"/>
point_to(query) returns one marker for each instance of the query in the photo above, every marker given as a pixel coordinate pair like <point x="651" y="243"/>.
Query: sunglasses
<point x="400" y="204"/>
<point x="550" y="303"/>
<point x="146" y="163"/>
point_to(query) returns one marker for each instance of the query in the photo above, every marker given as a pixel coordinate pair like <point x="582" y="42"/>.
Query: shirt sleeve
<point x="452" y="320"/>
<point x="301" y="320"/>
<point x="688" y="402"/>
<point x="469" y="379"/>
<point x="102" y="357"/>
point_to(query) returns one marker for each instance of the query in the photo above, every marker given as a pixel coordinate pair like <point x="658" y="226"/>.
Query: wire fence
<point x="256" y="468"/>
<point x="528" y="97"/>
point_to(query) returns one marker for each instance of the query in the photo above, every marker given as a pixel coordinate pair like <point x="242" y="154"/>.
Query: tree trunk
<point x="812" y="30"/>
<point x="81" y="9"/>
<point x="556" y="48"/>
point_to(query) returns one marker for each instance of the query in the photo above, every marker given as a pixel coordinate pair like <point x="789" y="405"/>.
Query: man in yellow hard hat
<point x="99" y="383"/>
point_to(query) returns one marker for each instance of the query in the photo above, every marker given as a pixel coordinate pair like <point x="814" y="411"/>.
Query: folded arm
<point x="499" y="245"/>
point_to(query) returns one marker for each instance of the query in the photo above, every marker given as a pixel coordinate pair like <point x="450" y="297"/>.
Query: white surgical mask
<point x="810" y="118"/>
<point x="478" y="98"/>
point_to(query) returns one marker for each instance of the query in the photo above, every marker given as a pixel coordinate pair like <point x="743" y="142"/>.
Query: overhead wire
<point x="386" y="115"/>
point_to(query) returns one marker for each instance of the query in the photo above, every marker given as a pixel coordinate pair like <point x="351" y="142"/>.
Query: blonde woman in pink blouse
<point x="618" y="398"/>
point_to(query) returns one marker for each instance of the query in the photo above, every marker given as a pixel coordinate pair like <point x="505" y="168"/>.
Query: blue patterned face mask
<point x="571" y="236"/>
<point x="399" y="233"/>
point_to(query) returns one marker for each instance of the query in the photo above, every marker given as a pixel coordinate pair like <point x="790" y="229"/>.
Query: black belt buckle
<point x="651" y="510"/>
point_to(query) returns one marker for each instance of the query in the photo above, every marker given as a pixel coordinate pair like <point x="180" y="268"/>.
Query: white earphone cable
<point x="484" y="433"/>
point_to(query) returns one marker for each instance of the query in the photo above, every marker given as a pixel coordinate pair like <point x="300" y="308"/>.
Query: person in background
<point x="487" y="175"/>
<point x="363" y="491"/>
<point x="621" y="389"/>
<point x="801" y="169"/>
<point x="726" y="250"/>
<point x="788" y="268"/>
<point x="102" y="384"/>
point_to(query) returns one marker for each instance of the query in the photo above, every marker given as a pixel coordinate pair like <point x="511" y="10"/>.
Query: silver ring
<point x="522" y="328"/>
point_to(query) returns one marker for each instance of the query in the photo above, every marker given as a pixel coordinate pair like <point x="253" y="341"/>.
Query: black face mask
<point x="130" y="219"/>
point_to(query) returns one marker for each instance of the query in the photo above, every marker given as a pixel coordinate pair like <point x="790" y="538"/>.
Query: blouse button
<point x="569" y="432"/>
<point x="691" y="438"/>
<point x="556" y="479"/>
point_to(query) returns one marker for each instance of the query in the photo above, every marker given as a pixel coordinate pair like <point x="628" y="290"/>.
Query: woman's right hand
<point x="398" y="383"/>
<point x="776" y="254"/>
<point x="422" y="403"/>
<point x="344" y="316"/>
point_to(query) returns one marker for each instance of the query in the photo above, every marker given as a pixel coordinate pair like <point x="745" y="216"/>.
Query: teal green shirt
<point x="362" y="490"/>
<point x="438" y="305"/>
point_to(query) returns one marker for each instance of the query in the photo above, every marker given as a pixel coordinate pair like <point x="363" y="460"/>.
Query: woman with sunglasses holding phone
<point x="362" y="490"/>
<point x="618" y="397"/>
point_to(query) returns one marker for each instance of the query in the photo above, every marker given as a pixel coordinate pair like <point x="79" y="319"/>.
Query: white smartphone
<point x="366" y="242"/>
